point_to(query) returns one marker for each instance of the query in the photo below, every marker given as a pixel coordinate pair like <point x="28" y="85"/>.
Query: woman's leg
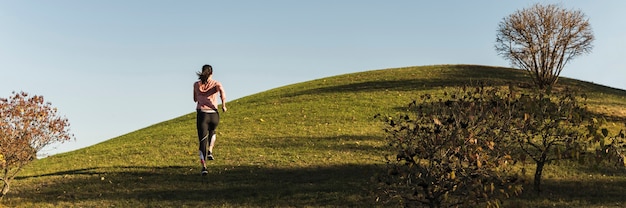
<point x="214" y="120"/>
<point x="202" y="126"/>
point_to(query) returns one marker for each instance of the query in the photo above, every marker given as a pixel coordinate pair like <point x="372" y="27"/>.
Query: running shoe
<point x="204" y="171"/>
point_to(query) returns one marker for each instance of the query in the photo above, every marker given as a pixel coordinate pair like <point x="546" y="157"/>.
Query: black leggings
<point x="206" y="124"/>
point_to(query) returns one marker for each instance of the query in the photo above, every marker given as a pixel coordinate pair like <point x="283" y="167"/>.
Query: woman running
<point x="204" y="94"/>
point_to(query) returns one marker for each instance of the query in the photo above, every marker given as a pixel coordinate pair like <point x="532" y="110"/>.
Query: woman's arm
<point x="194" y="92"/>
<point x="222" y="97"/>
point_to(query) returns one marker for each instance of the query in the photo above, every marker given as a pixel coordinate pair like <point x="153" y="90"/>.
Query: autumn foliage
<point x="452" y="152"/>
<point x="27" y="125"/>
<point x="458" y="150"/>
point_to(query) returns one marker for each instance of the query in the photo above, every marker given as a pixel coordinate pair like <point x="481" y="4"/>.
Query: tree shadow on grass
<point x="467" y="75"/>
<point x="591" y="192"/>
<point x="341" y="185"/>
<point x="391" y="85"/>
<point x="82" y="171"/>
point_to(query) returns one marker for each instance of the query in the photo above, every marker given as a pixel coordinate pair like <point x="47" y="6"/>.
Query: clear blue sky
<point x="112" y="67"/>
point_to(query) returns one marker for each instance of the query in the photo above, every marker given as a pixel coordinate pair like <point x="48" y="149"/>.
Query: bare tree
<point x="27" y="125"/>
<point x="543" y="39"/>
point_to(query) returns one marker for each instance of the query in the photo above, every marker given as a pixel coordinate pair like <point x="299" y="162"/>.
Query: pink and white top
<point x="205" y="95"/>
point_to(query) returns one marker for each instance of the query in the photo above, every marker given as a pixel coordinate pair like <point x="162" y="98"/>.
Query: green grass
<point x="310" y="144"/>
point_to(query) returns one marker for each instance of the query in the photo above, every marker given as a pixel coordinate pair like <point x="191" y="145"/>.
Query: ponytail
<point x="207" y="70"/>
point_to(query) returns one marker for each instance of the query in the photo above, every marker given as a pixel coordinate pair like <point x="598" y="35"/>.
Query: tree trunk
<point x="5" y="189"/>
<point x="538" y="172"/>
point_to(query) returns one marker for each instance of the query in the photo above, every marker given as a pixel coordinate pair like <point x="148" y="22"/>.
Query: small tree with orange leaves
<point x="27" y="125"/>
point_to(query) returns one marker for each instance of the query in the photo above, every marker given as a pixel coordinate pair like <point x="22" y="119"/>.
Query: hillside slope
<point x="314" y="143"/>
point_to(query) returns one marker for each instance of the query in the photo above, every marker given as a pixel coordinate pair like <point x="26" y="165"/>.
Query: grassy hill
<point x="314" y="143"/>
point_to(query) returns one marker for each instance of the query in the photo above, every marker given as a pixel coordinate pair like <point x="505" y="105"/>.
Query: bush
<point x="452" y="152"/>
<point x="458" y="151"/>
<point x="27" y="125"/>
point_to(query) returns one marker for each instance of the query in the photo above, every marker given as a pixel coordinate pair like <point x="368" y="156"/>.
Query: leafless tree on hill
<point x="542" y="39"/>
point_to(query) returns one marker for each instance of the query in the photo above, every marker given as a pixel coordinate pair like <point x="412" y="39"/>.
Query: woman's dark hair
<point x="203" y="76"/>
